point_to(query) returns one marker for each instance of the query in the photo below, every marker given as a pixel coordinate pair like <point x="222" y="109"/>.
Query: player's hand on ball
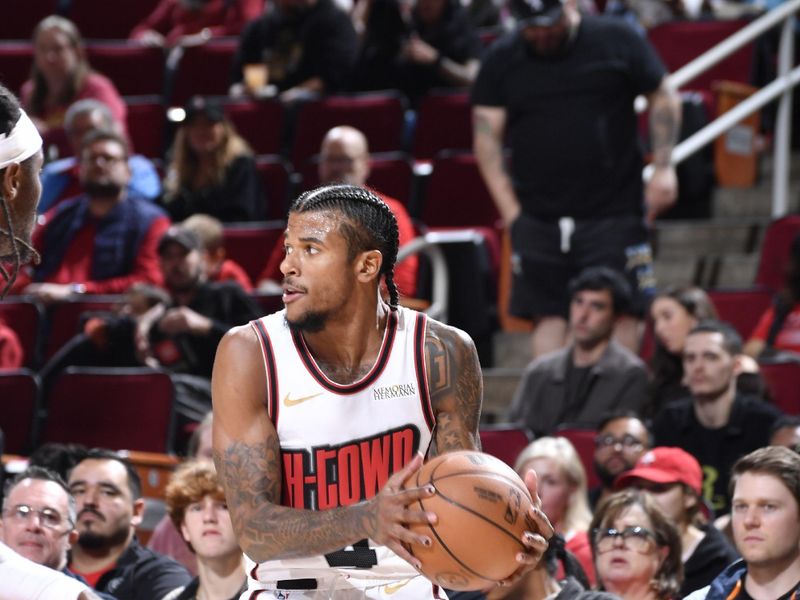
<point x="391" y="513"/>
<point x="534" y="541"/>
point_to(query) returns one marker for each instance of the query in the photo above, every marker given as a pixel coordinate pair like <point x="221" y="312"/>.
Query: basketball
<point x="482" y="508"/>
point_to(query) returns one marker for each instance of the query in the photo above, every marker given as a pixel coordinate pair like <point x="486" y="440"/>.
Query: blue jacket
<point x="724" y="584"/>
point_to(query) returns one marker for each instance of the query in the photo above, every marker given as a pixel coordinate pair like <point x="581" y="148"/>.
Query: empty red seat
<point x="21" y="16"/>
<point x="19" y="409"/>
<point x="583" y="440"/>
<point x="101" y="19"/>
<point x="741" y="308"/>
<point x="146" y="125"/>
<point x="259" y="123"/>
<point x="201" y="70"/>
<point x="783" y="382"/>
<point x="16" y="59"/>
<point x="250" y="244"/>
<point x="775" y="250"/>
<point x="444" y="122"/>
<point x="276" y="174"/>
<point x="25" y="318"/>
<point x="135" y="69"/>
<point x="64" y="319"/>
<point x="504" y="441"/>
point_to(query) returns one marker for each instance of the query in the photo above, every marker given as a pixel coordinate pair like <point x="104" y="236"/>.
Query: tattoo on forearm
<point x="664" y="125"/>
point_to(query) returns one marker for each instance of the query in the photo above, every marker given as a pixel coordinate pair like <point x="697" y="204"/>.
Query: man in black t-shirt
<point x="560" y="90"/>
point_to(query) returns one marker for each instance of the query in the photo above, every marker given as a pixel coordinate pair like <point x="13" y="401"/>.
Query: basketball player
<point x="20" y="163"/>
<point x="322" y="413"/>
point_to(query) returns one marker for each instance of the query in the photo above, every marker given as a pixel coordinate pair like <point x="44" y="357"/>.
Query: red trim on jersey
<point x="273" y="404"/>
<point x="254" y="573"/>
<point x="368" y="379"/>
<point x="422" y="375"/>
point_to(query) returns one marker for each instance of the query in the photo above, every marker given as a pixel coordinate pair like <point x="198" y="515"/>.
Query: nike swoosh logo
<point x="287" y="401"/>
<point x="393" y="588"/>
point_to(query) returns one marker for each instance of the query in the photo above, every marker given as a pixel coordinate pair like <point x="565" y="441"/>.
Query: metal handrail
<point x="427" y="245"/>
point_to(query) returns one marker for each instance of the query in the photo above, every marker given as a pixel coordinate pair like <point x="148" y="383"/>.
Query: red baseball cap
<point x="665" y="465"/>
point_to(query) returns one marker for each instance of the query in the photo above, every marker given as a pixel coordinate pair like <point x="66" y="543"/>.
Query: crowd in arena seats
<point x="668" y="424"/>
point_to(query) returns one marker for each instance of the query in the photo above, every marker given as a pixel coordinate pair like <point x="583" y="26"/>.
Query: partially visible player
<point x="20" y="163"/>
<point x="322" y="413"/>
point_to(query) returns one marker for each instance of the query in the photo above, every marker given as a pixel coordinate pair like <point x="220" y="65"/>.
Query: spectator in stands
<point x="786" y="432"/>
<point x="765" y="490"/>
<point x="714" y="423"/>
<point x="212" y="170"/>
<point x="621" y="440"/>
<point x="574" y="196"/>
<point x="308" y="46"/>
<point x="778" y="330"/>
<point x="381" y="32"/>
<point x="562" y="488"/>
<point x="594" y="375"/>
<point x="102" y="241"/>
<point x="61" y="178"/>
<point x="218" y="266"/>
<point x="674" y="479"/>
<point x="194" y="22"/>
<point x="441" y="49"/>
<point x="196" y="505"/>
<point x="107" y="490"/>
<point x="637" y="550"/>
<point x="61" y="74"/>
<point x="12" y="355"/>
<point x="344" y="158"/>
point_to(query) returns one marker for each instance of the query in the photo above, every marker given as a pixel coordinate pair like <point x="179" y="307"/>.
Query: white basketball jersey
<point x="341" y="443"/>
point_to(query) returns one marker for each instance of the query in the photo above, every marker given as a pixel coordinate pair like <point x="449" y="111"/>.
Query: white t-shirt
<point x="22" y="579"/>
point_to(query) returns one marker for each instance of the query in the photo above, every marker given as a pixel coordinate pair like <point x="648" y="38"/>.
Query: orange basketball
<point x="482" y="508"/>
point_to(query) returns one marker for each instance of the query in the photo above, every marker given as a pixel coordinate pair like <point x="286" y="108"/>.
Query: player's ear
<point x="368" y="265"/>
<point x="11" y="180"/>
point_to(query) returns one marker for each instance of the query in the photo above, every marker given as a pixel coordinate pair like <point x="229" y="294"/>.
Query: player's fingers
<point x="409" y="495"/>
<point x="537" y="518"/>
<point x="397" y="480"/>
<point x="401" y="551"/>
<point x="534" y="542"/>
<point x="418" y="517"/>
<point x="410" y="538"/>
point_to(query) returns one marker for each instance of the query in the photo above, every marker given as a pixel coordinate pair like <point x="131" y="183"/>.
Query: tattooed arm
<point x="488" y="124"/>
<point x="456" y="388"/>
<point x="665" y="122"/>
<point x="248" y="460"/>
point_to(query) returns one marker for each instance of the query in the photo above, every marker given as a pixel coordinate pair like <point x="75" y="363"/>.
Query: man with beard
<point x="574" y="195"/>
<point x="107" y="491"/>
<point x="102" y="241"/>
<point x="20" y="163"/>
<point x="622" y="438"/>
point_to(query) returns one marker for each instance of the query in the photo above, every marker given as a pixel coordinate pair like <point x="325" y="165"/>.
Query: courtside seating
<point x="259" y="123"/>
<point x="25" y="317"/>
<point x="146" y="125"/>
<point x="276" y="174"/>
<point x="201" y="70"/>
<point x="250" y="244"/>
<point x="444" y="121"/>
<point x="118" y="408"/>
<point x="19" y="19"/>
<point x="19" y="409"/>
<point x="101" y="19"/>
<point x="775" y="250"/>
<point x="783" y="382"/>
<point x="16" y="59"/>
<point x="379" y="115"/>
<point x="680" y="42"/>
<point x="583" y="440"/>
<point x="505" y="441"/>
<point x="136" y="70"/>
<point x="64" y="319"/>
<point x="741" y="308"/>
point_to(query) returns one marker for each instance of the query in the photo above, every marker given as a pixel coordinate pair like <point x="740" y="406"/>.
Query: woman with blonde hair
<point x="212" y="170"/>
<point x="563" y="490"/>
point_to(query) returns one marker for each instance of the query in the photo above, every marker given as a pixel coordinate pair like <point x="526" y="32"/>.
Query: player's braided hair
<point x="369" y="224"/>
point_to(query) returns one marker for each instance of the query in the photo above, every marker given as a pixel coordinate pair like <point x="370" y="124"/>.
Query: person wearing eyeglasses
<point x="636" y="548"/>
<point x="622" y="437"/>
<point x="674" y="479"/>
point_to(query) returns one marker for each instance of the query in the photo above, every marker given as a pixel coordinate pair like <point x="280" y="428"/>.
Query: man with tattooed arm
<point x="323" y="412"/>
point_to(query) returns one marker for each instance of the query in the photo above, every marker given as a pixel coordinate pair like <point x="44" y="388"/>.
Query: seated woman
<point x="637" y="549"/>
<point x="212" y="170"/>
<point x="196" y="505"/>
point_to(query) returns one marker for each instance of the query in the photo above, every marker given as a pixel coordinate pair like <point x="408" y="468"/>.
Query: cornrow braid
<point x="372" y="224"/>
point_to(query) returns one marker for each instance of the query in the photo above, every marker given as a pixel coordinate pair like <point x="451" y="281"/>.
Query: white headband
<point x="23" y="142"/>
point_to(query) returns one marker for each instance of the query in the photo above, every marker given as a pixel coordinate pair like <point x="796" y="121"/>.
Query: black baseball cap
<point x="206" y="107"/>
<point x="538" y="13"/>
<point x="177" y="234"/>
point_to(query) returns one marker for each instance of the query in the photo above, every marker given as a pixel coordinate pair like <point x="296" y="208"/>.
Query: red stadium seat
<point x="583" y="440"/>
<point x="456" y="196"/>
<point x="64" y="319"/>
<point x="25" y="318"/>
<point x="379" y="115"/>
<point x="19" y="410"/>
<point x="775" y="250"/>
<point x="259" y="123"/>
<point x="16" y="59"/>
<point x="101" y="19"/>
<point x="783" y="382"/>
<point x="444" y="122"/>
<point x="505" y="441"/>
<point x="201" y="70"/>
<point x="136" y="70"/>
<point x="276" y="175"/>
<point x="20" y="17"/>
<point x="111" y="408"/>
<point x="250" y="244"/>
<point x="146" y="125"/>
<point x="741" y="308"/>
